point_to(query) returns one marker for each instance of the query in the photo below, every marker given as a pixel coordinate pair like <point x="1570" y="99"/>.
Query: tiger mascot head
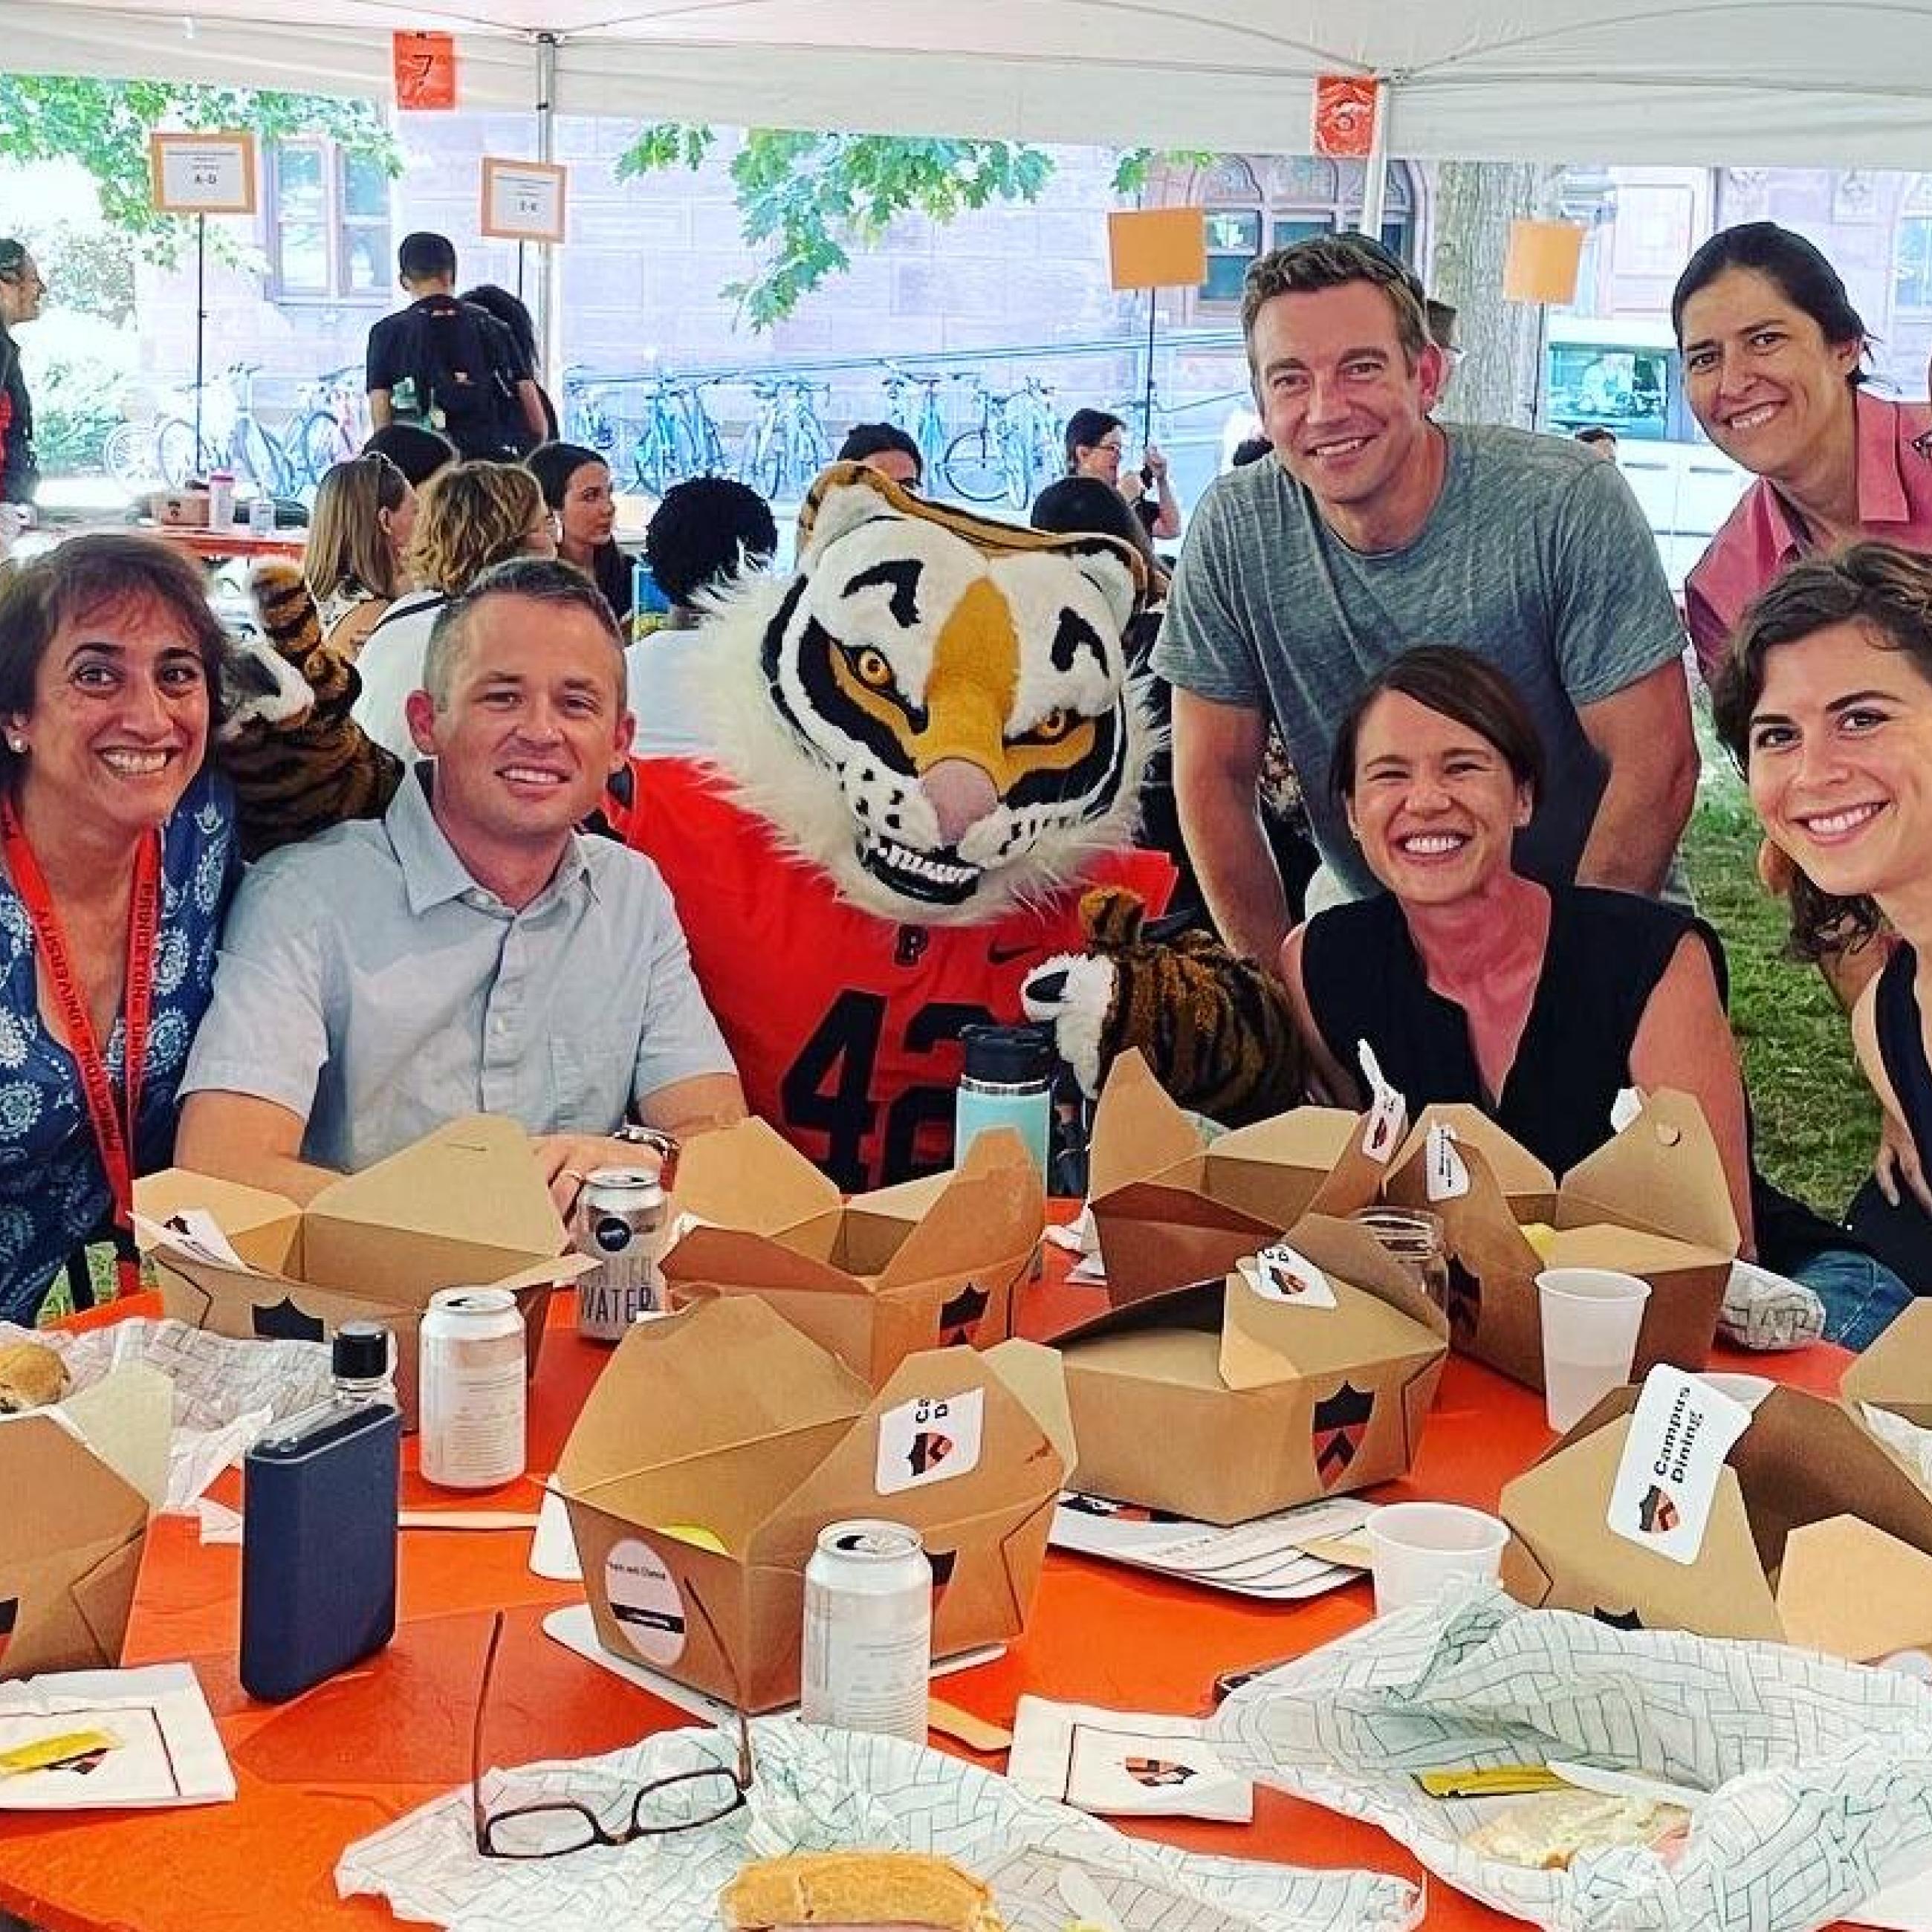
<point x="932" y="706"/>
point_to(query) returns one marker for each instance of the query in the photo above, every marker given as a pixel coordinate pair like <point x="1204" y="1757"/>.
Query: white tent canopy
<point x="1840" y="83"/>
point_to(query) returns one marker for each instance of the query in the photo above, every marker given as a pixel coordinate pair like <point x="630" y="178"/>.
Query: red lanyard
<point x="113" y="1134"/>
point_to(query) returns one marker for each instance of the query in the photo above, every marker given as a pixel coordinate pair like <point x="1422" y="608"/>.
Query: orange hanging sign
<point x="1345" y="116"/>
<point x="425" y="70"/>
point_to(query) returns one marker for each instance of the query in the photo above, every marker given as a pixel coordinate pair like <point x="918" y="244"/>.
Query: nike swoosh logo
<point x="1004" y="955"/>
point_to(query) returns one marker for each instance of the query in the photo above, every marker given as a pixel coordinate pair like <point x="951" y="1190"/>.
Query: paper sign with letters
<point x="203" y="173"/>
<point x="1667" y="1480"/>
<point x="927" y="1441"/>
<point x="1282" y="1275"/>
<point x="1448" y="1179"/>
<point x="424" y="65"/>
<point x="523" y="201"/>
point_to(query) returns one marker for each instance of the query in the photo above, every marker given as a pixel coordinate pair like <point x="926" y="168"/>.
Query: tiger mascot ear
<point x="1217" y="1031"/>
<point x="296" y="772"/>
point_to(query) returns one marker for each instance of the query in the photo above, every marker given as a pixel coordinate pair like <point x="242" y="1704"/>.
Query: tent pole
<point x="1375" y="181"/>
<point x="200" y="332"/>
<point x="551" y="282"/>
<point x="1147" y="401"/>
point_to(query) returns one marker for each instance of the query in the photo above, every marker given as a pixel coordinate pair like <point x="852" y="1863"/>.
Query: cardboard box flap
<point x="995" y="1207"/>
<point x="223" y="1300"/>
<point x="1138" y="1132"/>
<point x="1273" y="1169"/>
<point x="58" y="1492"/>
<point x="1851" y="1590"/>
<point x="1663" y="1173"/>
<point x="713" y="1257"/>
<point x="1517" y="1171"/>
<point x="1637" y="1251"/>
<point x="473" y="1181"/>
<point x="1347" y="1249"/>
<point x="1895" y="1371"/>
<point x="1197" y="1306"/>
<point x="1037" y="1376"/>
<point x="747" y="1175"/>
<point x="103" y="1598"/>
<point x="263" y="1228"/>
<point x="126" y="1418"/>
<point x="725" y="1373"/>
<point x="1176" y="1200"/>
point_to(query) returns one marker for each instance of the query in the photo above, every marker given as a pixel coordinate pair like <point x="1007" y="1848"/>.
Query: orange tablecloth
<point x="364" y="1749"/>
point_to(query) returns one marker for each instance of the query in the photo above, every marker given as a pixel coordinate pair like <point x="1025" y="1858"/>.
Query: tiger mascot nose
<point x="961" y="794"/>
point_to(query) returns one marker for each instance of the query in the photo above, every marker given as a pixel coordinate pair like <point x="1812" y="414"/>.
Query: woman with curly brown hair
<point x="469" y="517"/>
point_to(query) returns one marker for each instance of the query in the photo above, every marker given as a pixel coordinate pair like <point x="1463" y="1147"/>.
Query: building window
<point x="1264" y="202"/>
<point x="1912" y="251"/>
<point x="328" y="224"/>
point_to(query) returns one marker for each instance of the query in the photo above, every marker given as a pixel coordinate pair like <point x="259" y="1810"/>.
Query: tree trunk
<point x="1475" y="202"/>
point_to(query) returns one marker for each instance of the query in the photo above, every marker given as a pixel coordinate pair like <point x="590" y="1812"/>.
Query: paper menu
<point x="1266" y="1559"/>
<point x="1123" y="1764"/>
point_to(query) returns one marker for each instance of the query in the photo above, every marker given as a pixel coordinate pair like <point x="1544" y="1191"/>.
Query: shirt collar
<point x="432" y="874"/>
<point x="1882" y="496"/>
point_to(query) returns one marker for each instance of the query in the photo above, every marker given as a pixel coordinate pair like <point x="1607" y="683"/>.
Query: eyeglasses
<point x="554" y="1827"/>
<point x="1113" y="446"/>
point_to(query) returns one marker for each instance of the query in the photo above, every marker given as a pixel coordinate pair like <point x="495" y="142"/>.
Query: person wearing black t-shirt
<point x="22" y="290"/>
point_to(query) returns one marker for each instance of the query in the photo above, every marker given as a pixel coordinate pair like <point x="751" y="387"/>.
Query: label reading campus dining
<point x="1666" y="1481"/>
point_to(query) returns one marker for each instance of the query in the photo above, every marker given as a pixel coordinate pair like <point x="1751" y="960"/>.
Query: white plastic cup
<point x="1591" y="1317"/>
<point x="1415" y="1548"/>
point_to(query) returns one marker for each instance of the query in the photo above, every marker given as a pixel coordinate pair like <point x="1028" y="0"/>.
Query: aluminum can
<point x="261" y="513"/>
<point x="472" y="1396"/>
<point x="620" y="1226"/>
<point x="867" y="1649"/>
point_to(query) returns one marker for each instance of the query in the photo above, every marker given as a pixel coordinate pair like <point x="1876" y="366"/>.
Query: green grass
<point x="1817" y="1122"/>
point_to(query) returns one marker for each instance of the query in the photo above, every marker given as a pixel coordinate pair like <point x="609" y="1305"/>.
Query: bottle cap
<point x="360" y="1352"/>
<point x="1008" y="1056"/>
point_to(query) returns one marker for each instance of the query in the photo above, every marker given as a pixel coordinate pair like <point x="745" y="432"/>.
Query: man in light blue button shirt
<point x="470" y="951"/>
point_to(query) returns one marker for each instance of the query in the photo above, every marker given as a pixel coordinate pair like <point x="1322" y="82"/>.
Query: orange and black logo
<point x="944" y="1562"/>
<point x="1624" y="1620"/>
<point x="1465" y="1308"/>
<point x="1340" y="1423"/>
<point x="1656" y="1514"/>
<point x="9" y="1613"/>
<point x="961" y="1317"/>
<point x="1114" y="1512"/>
<point x="284" y="1321"/>
<point x="929" y="1449"/>
<point x="1156" y="1772"/>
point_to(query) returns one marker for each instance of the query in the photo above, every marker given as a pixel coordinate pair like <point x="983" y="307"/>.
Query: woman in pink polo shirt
<point x="1773" y="366"/>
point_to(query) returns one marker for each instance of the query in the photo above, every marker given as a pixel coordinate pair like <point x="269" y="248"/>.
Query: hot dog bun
<point x="1547" y="1831"/>
<point x="825" y="1890"/>
<point x="32" y="1375"/>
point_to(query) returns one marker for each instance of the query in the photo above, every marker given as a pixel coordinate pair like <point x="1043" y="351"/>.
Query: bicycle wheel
<point x="973" y="468"/>
<point x="263" y="458"/>
<point x="128" y="456"/>
<point x="314" y="448"/>
<point x="648" y="464"/>
<point x="810" y="451"/>
<point x="175" y="453"/>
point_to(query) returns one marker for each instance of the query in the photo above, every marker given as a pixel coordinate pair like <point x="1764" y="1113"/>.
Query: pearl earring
<point x="17" y="744"/>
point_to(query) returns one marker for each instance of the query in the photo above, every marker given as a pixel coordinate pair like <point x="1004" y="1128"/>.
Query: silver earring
<point x="17" y="744"/>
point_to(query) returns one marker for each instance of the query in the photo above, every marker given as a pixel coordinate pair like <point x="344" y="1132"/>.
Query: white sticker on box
<point x="644" y="1601"/>
<point x="1666" y="1482"/>
<point x="1446" y="1178"/>
<point x="1624" y="1108"/>
<point x="194" y="1232"/>
<point x="931" y="1439"/>
<point x="1282" y="1275"/>
<point x="1388" y="1112"/>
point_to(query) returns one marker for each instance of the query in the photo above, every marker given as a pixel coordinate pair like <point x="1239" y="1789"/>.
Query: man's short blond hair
<point x="1333" y="261"/>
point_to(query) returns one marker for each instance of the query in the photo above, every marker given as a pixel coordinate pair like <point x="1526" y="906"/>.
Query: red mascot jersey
<point x="844" y="1026"/>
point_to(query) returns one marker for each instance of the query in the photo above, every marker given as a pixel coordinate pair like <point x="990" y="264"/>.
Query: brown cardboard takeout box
<point x="1171" y="1208"/>
<point x="1895" y="1372"/>
<point x="77" y="1521"/>
<point x="1817" y="1536"/>
<point x="465" y="1207"/>
<point x="1222" y="1404"/>
<point x="1652" y="1201"/>
<point x="718" y="1442"/>
<point x="872" y="1279"/>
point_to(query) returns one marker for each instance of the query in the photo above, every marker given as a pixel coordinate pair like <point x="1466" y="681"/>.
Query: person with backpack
<point x="449" y="364"/>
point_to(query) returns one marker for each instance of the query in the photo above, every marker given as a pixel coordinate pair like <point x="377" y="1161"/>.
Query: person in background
<point x="471" y="515"/>
<point x="22" y="289"/>
<point x="470" y="951"/>
<point x="707" y="530"/>
<point x="418" y="453"/>
<point x="359" y="529"/>
<point x="1537" y="1003"/>
<point x="1774" y="370"/>
<point x="576" y="484"/>
<point x="1096" y="442"/>
<point x="1825" y="702"/>
<point x="1599" y="440"/>
<point x="888" y="449"/>
<point x="1376" y="529"/>
<point x="511" y="311"/>
<point x="116" y="853"/>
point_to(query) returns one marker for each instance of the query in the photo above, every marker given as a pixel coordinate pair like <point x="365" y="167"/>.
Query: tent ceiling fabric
<point x="1818" y="82"/>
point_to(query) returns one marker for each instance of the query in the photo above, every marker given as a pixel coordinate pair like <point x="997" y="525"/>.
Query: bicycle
<point x="1010" y="451"/>
<point x="232" y="437"/>
<point x="329" y="425"/>
<point x="586" y="419"/>
<point x="925" y="422"/>
<point x="679" y="438"/>
<point x="784" y="446"/>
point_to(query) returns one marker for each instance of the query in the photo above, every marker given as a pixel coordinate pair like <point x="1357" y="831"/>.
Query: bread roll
<point x="826" y="1892"/>
<point x="1547" y="1831"/>
<point x="32" y="1375"/>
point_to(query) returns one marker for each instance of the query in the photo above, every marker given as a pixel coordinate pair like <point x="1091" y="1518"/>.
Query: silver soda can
<point x="471" y="1393"/>
<point x="867" y="1650"/>
<point x="620" y="1226"/>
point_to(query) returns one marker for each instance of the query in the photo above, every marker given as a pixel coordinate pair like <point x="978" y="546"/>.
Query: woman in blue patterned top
<point x="116" y="844"/>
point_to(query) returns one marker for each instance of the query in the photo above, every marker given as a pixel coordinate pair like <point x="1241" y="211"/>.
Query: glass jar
<point x="1413" y="1237"/>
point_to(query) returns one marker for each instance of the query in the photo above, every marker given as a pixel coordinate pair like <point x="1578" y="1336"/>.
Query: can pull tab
<point x="663" y="1145"/>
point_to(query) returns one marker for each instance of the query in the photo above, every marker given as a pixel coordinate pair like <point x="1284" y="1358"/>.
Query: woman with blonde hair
<point x="358" y="533"/>
<point x="469" y="516"/>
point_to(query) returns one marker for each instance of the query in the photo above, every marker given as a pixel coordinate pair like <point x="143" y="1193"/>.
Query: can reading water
<point x="868" y="1648"/>
<point x="620" y="1226"/>
<point x="471" y="1392"/>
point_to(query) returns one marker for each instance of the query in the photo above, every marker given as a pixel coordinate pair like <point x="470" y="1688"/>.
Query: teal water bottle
<point x="1007" y="1083"/>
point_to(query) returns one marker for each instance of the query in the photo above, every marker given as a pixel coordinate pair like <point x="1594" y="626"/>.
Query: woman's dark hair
<point x="1250" y="449"/>
<point x="1087" y="429"/>
<point x="418" y="452"/>
<point x="1887" y="593"/>
<point x="1457" y="684"/>
<point x="509" y="311"/>
<point x="1084" y="506"/>
<point x="875" y="439"/>
<point x="706" y="530"/>
<point x="1802" y="275"/>
<point x="553" y="464"/>
<point x="89" y="574"/>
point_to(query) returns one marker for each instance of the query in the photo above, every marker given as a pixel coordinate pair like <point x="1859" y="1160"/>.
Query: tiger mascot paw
<point x="1217" y="1030"/>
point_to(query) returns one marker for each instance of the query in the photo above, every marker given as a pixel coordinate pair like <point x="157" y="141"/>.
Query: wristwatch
<point x="663" y="1144"/>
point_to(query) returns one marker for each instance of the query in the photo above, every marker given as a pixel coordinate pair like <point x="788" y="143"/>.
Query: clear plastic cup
<point x="1415" y="1548"/>
<point x="1591" y="1317"/>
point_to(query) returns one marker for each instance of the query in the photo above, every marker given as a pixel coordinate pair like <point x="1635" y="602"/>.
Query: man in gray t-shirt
<point x="1374" y="529"/>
